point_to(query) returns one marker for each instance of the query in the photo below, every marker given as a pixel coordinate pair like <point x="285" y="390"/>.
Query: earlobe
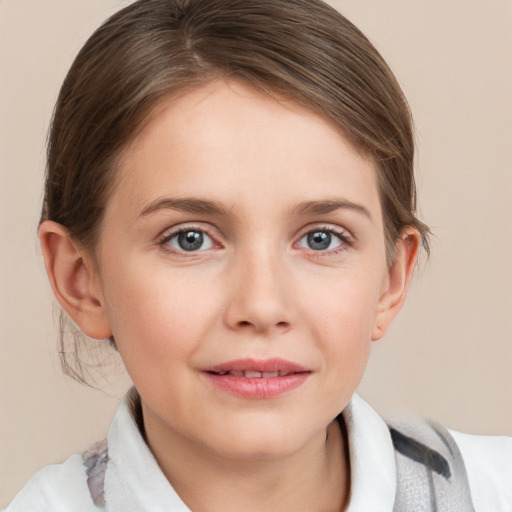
<point x="73" y="280"/>
<point x="397" y="282"/>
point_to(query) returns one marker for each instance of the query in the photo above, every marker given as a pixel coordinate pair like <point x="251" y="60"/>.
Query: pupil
<point x="319" y="240"/>
<point x="190" y="240"/>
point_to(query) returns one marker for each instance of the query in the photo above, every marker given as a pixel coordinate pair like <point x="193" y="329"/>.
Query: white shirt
<point x="135" y="483"/>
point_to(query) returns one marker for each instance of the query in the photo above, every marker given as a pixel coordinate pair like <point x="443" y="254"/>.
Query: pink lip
<point x="291" y="375"/>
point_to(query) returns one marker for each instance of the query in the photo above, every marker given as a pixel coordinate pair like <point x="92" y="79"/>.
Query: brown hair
<point x="302" y="49"/>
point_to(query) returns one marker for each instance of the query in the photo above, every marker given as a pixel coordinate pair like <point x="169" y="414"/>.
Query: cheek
<point x="341" y="314"/>
<point x="344" y="304"/>
<point x="155" y="315"/>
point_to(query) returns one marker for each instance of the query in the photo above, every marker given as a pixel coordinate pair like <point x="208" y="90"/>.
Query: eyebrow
<point x="328" y="206"/>
<point x="187" y="205"/>
<point x="202" y="206"/>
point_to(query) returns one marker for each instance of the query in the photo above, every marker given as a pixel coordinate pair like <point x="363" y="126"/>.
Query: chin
<point x="261" y="442"/>
<point x="257" y="451"/>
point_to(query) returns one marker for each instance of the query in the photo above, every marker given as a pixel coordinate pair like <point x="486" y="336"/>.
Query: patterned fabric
<point x="96" y="460"/>
<point x="431" y="476"/>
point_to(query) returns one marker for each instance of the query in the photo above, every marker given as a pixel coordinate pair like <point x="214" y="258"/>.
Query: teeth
<point x="252" y="375"/>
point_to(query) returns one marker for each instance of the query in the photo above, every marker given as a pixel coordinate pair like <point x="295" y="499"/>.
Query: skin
<point x="255" y="289"/>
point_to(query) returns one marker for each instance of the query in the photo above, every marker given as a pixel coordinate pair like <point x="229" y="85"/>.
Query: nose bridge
<point x="260" y="298"/>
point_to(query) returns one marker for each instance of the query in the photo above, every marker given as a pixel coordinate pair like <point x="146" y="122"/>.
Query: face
<point x="242" y="269"/>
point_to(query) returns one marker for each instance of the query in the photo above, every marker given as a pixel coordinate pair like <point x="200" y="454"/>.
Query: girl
<point x="230" y="204"/>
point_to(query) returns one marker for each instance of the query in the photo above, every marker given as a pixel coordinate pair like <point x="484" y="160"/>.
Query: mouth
<point x="252" y="374"/>
<point x="257" y="379"/>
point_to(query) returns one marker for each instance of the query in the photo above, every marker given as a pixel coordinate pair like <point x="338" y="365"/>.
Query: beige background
<point x="450" y="354"/>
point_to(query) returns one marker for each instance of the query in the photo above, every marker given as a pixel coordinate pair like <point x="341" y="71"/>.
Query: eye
<point x="189" y="240"/>
<point x="322" y="240"/>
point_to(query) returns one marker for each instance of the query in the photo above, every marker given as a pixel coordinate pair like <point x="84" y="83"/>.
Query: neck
<point x="314" y="478"/>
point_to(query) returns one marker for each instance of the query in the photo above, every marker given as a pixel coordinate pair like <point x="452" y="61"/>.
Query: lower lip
<point x="258" y="387"/>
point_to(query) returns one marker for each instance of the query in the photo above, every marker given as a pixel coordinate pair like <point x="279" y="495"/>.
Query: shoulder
<point x="488" y="461"/>
<point x="57" y="488"/>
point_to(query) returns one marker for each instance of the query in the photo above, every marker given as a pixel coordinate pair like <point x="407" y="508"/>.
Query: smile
<point x="257" y="379"/>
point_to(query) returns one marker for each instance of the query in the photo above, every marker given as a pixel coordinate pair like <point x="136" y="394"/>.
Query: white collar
<point x="372" y="459"/>
<point x="134" y="481"/>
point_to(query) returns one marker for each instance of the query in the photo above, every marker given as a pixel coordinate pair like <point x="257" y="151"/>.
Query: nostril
<point x="245" y="323"/>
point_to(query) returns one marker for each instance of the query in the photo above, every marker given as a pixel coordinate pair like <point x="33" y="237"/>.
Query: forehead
<point x="227" y="141"/>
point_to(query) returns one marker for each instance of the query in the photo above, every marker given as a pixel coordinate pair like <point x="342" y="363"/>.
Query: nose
<point x="260" y="299"/>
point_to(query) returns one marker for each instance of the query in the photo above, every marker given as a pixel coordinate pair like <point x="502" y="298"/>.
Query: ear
<point x="74" y="280"/>
<point x="397" y="282"/>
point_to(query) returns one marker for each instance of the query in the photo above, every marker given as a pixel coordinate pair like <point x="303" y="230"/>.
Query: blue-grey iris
<point x="319" y="240"/>
<point x="190" y="240"/>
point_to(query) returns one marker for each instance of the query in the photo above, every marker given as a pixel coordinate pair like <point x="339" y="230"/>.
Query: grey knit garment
<point x="431" y="476"/>
<point x="96" y="461"/>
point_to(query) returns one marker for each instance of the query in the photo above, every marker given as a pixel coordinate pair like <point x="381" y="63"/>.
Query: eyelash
<point x="344" y="236"/>
<point x="167" y="237"/>
<point x="346" y="241"/>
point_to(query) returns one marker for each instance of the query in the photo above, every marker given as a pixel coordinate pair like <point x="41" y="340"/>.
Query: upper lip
<point x="257" y="365"/>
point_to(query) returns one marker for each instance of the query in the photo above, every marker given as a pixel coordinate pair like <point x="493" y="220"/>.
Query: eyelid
<point x="343" y="233"/>
<point x="346" y="237"/>
<point x="170" y="233"/>
<point x="331" y="228"/>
